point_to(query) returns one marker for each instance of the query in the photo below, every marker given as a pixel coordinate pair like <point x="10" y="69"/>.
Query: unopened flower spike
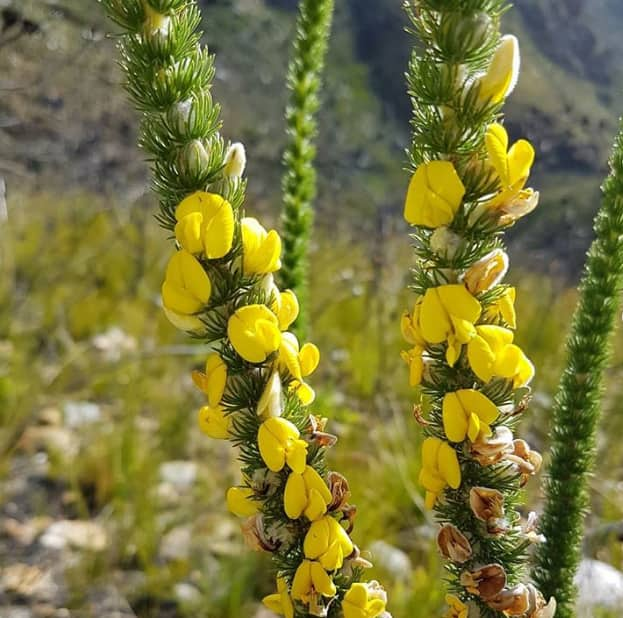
<point x="459" y="331"/>
<point x="220" y="286"/>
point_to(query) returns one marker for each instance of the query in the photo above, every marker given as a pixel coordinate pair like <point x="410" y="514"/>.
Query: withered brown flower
<point x="485" y="582"/>
<point x="453" y="544"/>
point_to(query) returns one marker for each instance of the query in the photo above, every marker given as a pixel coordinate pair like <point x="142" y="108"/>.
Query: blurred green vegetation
<point x="72" y="269"/>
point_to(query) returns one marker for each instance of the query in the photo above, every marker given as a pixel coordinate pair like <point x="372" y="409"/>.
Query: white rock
<point x="176" y="544"/>
<point x="179" y="474"/>
<point x="187" y="593"/>
<point x="86" y="535"/>
<point x="390" y="558"/>
<point x="78" y="413"/>
<point x="599" y="586"/>
<point x="114" y="343"/>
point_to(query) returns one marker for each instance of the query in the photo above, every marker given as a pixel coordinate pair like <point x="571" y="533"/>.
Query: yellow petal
<point x="481" y="358"/>
<point x="430" y="500"/>
<point x="459" y="302"/>
<point x="333" y="558"/>
<point x="302" y="581"/>
<point x="214" y="422"/>
<point x="218" y="232"/>
<point x="314" y="481"/>
<point x="295" y="496"/>
<point x="304" y="392"/>
<point x="316" y="506"/>
<point x="240" y="501"/>
<point x="288" y="309"/>
<point x="216" y="379"/>
<point x="449" y="465"/>
<point x="309" y="357"/>
<point x="475" y="402"/>
<point x="289" y="355"/>
<point x="501" y="77"/>
<point x="473" y="428"/>
<point x="188" y="323"/>
<point x="321" y="580"/>
<point x="261" y="249"/>
<point x="434" y="320"/>
<point x="296" y="455"/>
<point x="431" y="480"/>
<point x="454" y="418"/>
<point x="254" y="332"/>
<point x="273" y="603"/>
<point x="316" y="540"/>
<point x="188" y="232"/>
<point x="496" y="140"/>
<point x="520" y="160"/>
<point x="430" y="452"/>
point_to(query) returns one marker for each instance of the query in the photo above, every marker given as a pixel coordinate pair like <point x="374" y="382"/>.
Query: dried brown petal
<point x="453" y="544"/>
<point x="537" y="608"/>
<point x="491" y="450"/>
<point x="356" y="559"/>
<point x="511" y="601"/>
<point x="486" y="504"/>
<point x="255" y="535"/>
<point x="339" y="491"/>
<point x="349" y="512"/>
<point x="528" y="461"/>
<point x="326" y="440"/>
<point x="486" y="582"/>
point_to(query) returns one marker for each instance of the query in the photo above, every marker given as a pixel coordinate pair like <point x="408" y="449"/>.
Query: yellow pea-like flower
<point x="448" y="313"/>
<point x="501" y="78"/>
<point x="254" y="332"/>
<point x="186" y="288"/>
<point x="434" y="196"/>
<point x="364" y="600"/>
<point x="306" y="494"/>
<point x="205" y="224"/>
<point x="440" y="468"/>
<point x="280" y="602"/>
<point x="240" y="501"/>
<point x="468" y="413"/>
<point x="504" y="307"/>
<point x="299" y="363"/>
<point x="280" y="444"/>
<point x="261" y="250"/>
<point x="327" y="542"/>
<point x="213" y="381"/>
<point x="492" y="353"/>
<point x="310" y="580"/>
<point x="456" y="607"/>
<point x="487" y="272"/>
<point x="214" y="422"/>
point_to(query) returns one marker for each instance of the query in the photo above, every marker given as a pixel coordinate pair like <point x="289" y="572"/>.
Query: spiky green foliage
<point x="299" y="180"/>
<point x="577" y="405"/>
<point x="456" y="43"/>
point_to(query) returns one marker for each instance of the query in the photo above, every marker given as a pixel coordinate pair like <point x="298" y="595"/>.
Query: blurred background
<point x="111" y="502"/>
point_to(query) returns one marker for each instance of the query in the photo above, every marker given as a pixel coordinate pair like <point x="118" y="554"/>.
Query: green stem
<point x="299" y="180"/>
<point x="577" y="404"/>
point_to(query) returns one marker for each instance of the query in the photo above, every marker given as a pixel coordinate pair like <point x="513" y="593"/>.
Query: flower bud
<point x="235" y="161"/>
<point x="194" y="159"/>
<point x="445" y="243"/>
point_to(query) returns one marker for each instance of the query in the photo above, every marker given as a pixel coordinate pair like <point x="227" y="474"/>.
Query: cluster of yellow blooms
<point x="210" y="237"/>
<point x="464" y="324"/>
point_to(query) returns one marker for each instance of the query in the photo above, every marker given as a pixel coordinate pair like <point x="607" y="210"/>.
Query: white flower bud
<point x="194" y="158"/>
<point x="180" y="115"/>
<point x="235" y="161"/>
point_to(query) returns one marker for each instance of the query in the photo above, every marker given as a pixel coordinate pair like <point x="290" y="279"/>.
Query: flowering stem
<point x="299" y="180"/>
<point x="219" y="287"/>
<point x="468" y="186"/>
<point x="577" y="404"/>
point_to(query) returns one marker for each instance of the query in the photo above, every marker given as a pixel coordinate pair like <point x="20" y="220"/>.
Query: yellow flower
<point x="440" y="468"/>
<point x="306" y="494"/>
<point x="457" y="609"/>
<point x="415" y="362"/>
<point x="240" y="501"/>
<point x="280" y="602"/>
<point x="280" y="444"/>
<point x="310" y="580"/>
<point x="513" y="169"/>
<point x="327" y="542"/>
<point x="285" y="307"/>
<point x="410" y="326"/>
<point x="487" y="272"/>
<point x="299" y="363"/>
<point x="504" y="307"/>
<point x="186" y="288"/>
<point x="213" y="381"/>
<point x="468" y="413"/>
<point x="501" y="78"/>
<point x="270" y="401"/>
<point x="364" y="600"/>
<point x="492" y="353"/>
<point x="214" y="422"/>
<point x="261" y="250"/>
<point x="448" y="313"/>
<point x="205" y="224"/>
<point x="254" y="332"/>
<point x="434" y="195"/>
